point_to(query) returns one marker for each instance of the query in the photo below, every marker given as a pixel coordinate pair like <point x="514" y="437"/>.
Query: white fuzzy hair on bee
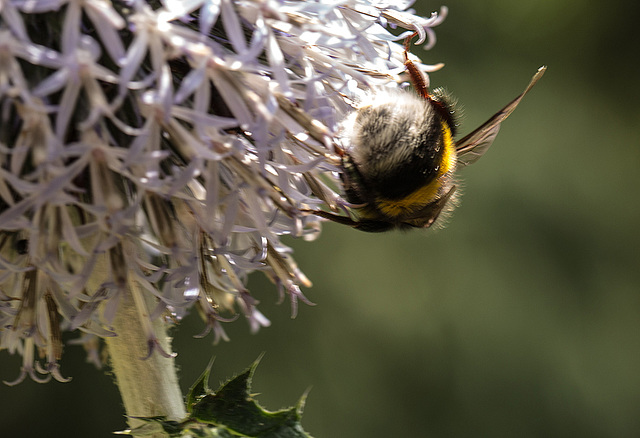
<point x="383" y="119"/>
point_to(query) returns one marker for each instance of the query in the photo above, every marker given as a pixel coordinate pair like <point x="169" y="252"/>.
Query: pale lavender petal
<point x="209" y="15"/>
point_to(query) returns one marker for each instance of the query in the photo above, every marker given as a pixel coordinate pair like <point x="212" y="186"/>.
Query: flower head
<point x="170" y="144"/>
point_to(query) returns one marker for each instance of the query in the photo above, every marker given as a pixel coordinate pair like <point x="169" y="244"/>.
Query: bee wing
<point x="474" y="145"/>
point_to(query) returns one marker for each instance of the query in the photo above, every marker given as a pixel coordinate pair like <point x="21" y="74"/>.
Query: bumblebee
<point x="399" y="165"/>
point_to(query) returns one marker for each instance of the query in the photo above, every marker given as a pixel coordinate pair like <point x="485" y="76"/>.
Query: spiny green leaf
<point x="200" y="388"/>
<point x="231" y="412"/>
<point x="233" y="407"/>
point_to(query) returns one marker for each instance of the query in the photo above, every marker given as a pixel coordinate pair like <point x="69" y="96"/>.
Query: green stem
<point x="149" y="387"/>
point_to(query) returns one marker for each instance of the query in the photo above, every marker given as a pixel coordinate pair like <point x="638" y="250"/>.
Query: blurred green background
<point x="521" y="318"/>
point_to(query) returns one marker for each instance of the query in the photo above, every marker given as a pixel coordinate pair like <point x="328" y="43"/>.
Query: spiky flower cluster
<point x="169" y="144"/>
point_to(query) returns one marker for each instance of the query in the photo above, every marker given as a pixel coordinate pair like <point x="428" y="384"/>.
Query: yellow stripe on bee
<point x="426" y="194"/>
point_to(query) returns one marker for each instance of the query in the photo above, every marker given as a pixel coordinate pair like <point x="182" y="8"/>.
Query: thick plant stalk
<point x="148" y="385"/>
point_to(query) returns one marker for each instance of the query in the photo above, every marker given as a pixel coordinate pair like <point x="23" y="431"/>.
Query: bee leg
<point x="407" y="45"/>
<point x="417" y="78"/>
<point x="343" y="220"/>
